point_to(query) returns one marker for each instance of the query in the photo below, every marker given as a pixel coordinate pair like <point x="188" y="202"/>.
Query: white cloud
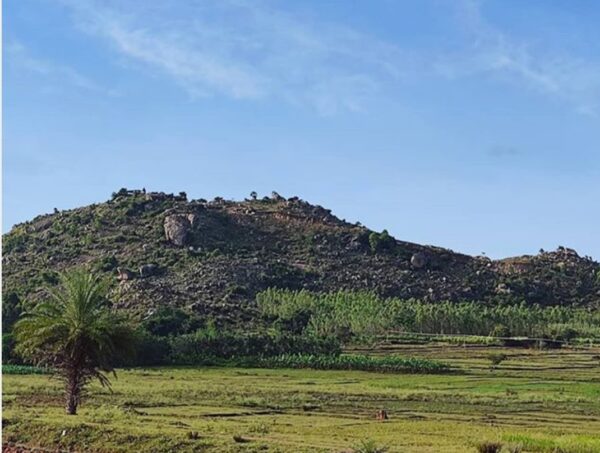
<point x="248" y="49"/>
<point x="562" y="76"/>
<point x="18" y="57"/>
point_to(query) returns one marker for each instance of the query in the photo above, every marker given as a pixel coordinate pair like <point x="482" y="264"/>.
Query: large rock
<point x="148" y="270"/>
<point x="177" y="228"/>
<point x="418" y="260"/>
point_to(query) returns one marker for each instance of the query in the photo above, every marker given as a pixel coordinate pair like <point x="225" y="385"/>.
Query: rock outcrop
<point x="177" y="228"/>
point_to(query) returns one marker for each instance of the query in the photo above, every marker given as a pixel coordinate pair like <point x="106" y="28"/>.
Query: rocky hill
<point x="214" y="256"/>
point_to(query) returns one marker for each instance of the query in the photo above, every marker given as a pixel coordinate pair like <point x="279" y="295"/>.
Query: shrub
<point x="368" y="446"/>
<point x="294" y="323"/>
<point x="121" y="193"/>
<point x="151" y="350"/>
<point x="240" y="439"/>
<point x="196" y="348"/>
<point x="11" y="310"/>
<point x="171" y="321"/>
<point x="381" y="241"/>
<point x="496" y="359"/>
<point x="500" y="330"/>
<point x="14" y="241"/>
<point x="212" y="346"/>
<point x="562" y="332"/>
<point x="107" y="264"/>
<point x="489" y="447"/>
<point x="8" y="349"/>
<point x="50" y="277"/>
<point x="193" y="435"/>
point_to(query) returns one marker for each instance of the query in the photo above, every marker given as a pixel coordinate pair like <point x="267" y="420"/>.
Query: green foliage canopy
<point x="75" y="333"/>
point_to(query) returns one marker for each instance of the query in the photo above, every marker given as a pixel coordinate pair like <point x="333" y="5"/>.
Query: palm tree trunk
<point x="73" y="389"/>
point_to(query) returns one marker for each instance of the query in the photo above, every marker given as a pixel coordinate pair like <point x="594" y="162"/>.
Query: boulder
<point x="42" y="224"/>
<point x="418" y="260"/>
<point x="177" y="228"/>
<point x="193" y="219"/>
<point x="148" y="270"/>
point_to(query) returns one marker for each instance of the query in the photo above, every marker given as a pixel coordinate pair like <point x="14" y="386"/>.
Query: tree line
<point x="362" y="316"/>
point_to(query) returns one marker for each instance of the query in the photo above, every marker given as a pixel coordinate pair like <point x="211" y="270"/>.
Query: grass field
<point x="545" y="401"/>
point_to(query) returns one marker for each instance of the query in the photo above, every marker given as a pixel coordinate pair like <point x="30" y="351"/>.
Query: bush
<point x="196" y="348"/>
<point x="14" y="241"/>
<point x="496" y="359"/>
<point x="121" y="193"/>
<point x="211" y="346"/>
<point x="150" y="350"/>
<point x="489" y="447"/>
<point x="171" y="321"/>
<point x="368" y="446"/>
<point x="107" y="264"/>
<point x="49" y="277"/>
<point x="11" y="310"/>
<point x="500" y="330"/>
<point x="562" y="332"/>
<point x="8" y="348"/>
<point x="381" y="241"/>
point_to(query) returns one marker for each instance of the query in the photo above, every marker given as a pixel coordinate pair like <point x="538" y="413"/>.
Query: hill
<point x="214" y="256"/>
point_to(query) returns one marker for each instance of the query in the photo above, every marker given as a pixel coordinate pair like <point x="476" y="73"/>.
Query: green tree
<point x="76" y="334"/>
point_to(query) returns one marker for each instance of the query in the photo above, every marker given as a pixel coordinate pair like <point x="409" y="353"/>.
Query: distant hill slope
<point x="215" y="256"/>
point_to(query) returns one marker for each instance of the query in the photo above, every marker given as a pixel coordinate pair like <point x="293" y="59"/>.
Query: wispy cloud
<point x="492" y="51"/>
<point x="247" y="50"/>
<point x="253" y="49"/>
<point x="20" y="58"/>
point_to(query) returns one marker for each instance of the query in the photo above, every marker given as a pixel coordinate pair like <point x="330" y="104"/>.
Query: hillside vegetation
<point x="213" y="257"/>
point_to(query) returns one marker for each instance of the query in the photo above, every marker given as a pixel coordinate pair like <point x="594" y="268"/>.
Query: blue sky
<point x="473" y="125"/>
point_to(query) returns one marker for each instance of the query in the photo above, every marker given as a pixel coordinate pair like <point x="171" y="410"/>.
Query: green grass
<point x="24" y="369"/>
<point x="356" y="362"/>
<point x="387" y="364"/>
<point x="543" y="400"/>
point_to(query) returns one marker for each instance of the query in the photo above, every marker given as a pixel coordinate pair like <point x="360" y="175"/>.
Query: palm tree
<point x="75" y="334"/>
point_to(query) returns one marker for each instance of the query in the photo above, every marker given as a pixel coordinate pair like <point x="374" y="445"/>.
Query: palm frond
<point x="75" y="328"/>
